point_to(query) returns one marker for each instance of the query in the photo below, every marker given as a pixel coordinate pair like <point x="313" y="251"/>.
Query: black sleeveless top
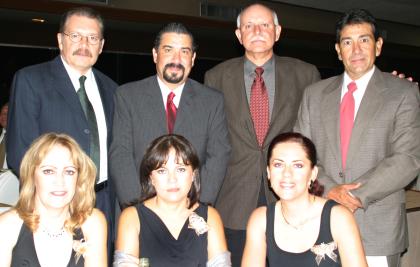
<point x="24" y="253"/>
<point x="162" y="249"/>
<point x="324" y="246"/>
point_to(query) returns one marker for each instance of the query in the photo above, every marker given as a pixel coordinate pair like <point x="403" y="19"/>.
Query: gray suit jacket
<point x="247" y="167"/>
<point x="383" y="155"/>
<point x="140" y="117"/>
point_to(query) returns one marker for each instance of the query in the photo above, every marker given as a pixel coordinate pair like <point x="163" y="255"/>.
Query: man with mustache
<point x="48" y="97"/>
<point x="366" y="126"/>
<point x="169" y="102"/>
<point x="284" y="79"/>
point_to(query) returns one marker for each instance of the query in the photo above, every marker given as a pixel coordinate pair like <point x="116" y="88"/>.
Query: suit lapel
<point x="155" y="104"/>
<point x="330" y="108"/>
<point x="371" y="103"/>
<point x="185" y="107"/>
<point x="239" y="100"/>
<point x="61" y="82"/>
<point x="105" y="99"/>
<point x="282" y="97"/>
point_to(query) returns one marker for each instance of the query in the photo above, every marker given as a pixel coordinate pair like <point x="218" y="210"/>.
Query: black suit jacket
<point x="44" y="100"/>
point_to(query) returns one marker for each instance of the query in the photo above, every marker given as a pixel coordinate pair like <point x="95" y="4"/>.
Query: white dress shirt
<point x="92" y="92"/>
<point x="361" y="83"/>
<point x="166" y="91"/>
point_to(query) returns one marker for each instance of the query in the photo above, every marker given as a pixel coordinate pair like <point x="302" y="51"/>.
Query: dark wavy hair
<point x="157" y="155"/>
<point x="308" y="146"/>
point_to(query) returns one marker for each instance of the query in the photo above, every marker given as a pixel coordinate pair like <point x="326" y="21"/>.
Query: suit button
<point x="86" y="131"/>
<point x="341" y="174"/>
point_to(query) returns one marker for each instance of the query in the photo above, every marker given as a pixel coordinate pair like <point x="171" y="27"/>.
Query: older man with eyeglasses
<point x="67" y="95"/>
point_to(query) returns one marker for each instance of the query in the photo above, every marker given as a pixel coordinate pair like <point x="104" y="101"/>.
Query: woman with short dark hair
<point x="168" y="225"/>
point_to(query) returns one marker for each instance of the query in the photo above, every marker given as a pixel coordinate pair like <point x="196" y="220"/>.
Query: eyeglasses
<point x="76" y="37"/>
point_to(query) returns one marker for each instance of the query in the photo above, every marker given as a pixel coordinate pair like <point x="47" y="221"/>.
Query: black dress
<point x="324" y="243"/>
<point x="24" y="253"/>
<point x="162" y="249"/>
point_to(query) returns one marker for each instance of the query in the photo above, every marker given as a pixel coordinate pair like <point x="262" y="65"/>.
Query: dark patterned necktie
<point x="93" y="126"/>
<point x="259" y="106"/>
<point x="170" y="112"/>
<point x="346" y="120"/>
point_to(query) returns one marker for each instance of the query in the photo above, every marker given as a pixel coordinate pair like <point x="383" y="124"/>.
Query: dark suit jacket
<point x="44" y="100"/>
<point x="383" y="155"/>
<point x="140" y="118"/>
<point x="247" y="167"/>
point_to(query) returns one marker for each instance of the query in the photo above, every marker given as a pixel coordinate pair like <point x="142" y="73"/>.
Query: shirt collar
<point x="164" y="89"/>
<point x="250" y="66"/>
<point x="362" y="82"/>
<point x="75" y="75"/>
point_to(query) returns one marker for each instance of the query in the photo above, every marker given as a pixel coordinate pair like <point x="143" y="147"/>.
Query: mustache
<point x="173" y="65"/>
<point x="82" y="52"/>
<point x="258" y="38"/>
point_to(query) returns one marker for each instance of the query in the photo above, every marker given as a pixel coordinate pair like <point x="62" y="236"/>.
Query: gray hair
<point x="275" y="18"/>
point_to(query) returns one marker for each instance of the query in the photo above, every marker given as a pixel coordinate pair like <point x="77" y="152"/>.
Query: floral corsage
<point x="197" y="223"/>
<point x="325" y="249"/>
<point x="80" y="247"/>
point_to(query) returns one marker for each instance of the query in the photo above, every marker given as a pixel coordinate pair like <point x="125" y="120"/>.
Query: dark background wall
<point x="307" y="34"/>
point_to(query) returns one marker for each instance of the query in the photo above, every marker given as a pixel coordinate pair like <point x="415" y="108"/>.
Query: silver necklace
<point x="53" y="235"/>
<point x="298" y="226"/>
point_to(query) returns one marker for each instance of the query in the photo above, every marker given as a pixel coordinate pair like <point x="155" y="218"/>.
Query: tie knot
<point x="352" y="87"/>
<point x="171" y="96"/>
<point x="259" y="71"/>
<point x="82" y="80"/>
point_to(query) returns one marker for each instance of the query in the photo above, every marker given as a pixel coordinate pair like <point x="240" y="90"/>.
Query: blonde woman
<point x="54" y="222"/>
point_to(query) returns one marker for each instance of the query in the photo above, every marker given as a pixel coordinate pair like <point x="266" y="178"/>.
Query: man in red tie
<point x="262" y="95"/>
<point x="366" y="126"/>
<point x="169" y="102"/>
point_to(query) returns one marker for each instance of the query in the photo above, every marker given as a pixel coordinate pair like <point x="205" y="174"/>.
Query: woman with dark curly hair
<point x="301" y="229"/>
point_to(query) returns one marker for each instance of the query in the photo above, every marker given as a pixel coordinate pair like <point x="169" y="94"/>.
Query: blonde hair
<point x="84" y="198"/>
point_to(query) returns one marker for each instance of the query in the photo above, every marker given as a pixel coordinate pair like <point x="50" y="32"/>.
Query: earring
<point x="311" y="185"/>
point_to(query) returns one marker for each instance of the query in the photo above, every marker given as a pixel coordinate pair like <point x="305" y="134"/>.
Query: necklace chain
<point x="54" y="235"/>
<point x="298" y="226"/>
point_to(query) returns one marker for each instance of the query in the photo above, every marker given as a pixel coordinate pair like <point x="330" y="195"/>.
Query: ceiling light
<point x="38" y="20"/>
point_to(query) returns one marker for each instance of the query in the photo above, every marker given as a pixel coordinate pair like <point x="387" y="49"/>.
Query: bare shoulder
<point x="213" y="214"/>
<point x="129" y="218"/>
<point x="339" y="213"/>
<point x="95" y="218"/>
<point x="129" y="214"/>
<point x="10" y="225"/>
<point x="10" y="221"/>
<point x="94" y="223"/>
<point x="342" y="221"/>
<point x="258" y="218"/>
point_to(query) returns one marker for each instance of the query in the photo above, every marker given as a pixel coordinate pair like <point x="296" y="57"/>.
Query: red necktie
<point x="170" y="112"/>
<point x="346" y="120"/>
<point x="259" y="106"/>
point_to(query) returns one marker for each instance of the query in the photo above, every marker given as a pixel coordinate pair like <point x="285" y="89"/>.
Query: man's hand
<point x="402" y="76"/>
<point x="342" y="195"/>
